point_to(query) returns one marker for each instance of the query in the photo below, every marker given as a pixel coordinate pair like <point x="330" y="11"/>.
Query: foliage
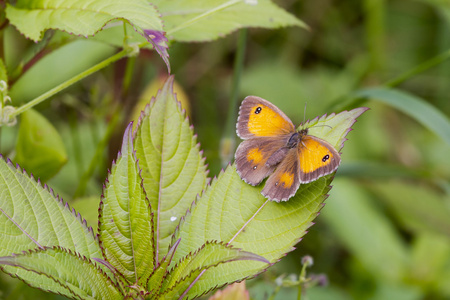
<point x="153" y="182"/>
<point x="384" y="231"/>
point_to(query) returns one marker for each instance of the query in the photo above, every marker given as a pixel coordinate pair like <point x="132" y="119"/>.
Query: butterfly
<point x="273" y="148"/>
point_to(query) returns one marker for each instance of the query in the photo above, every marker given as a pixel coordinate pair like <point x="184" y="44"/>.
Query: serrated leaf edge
<point x="59" y="199"/>
<point x="204" y="268"/>
<point x="56" y="280"/>
<point x="100" y="209"/>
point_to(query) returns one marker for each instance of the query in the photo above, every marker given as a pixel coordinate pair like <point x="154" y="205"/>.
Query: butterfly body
<point x="273" y="148"/>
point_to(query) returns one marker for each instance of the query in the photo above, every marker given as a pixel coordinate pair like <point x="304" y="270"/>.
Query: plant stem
<point x="301" y="281"/>
<point x="116" y="117"/>
<point x="419" y="69"/>
<point x="228" y="141"/>
<point x="374" y="26"/>
<point x="350" y="101"/>
<point x="76" y="142"/>
<point x="128" y="76"/>
<point x="69" y="82"/>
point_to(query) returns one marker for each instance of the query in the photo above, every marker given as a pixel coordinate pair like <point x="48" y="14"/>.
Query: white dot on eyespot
<point x="173" y="219"/>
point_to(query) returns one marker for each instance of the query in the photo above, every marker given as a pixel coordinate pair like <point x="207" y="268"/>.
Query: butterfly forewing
<point x="251" y="157"/>
<point x="317" y="158"/>
<point x="258" y="118"/>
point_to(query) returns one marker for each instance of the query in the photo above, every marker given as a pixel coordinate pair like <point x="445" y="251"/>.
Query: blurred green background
<point x="384" y="232"/>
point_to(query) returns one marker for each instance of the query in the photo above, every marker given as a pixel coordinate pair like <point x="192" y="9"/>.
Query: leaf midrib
<point x="160" y="185"/>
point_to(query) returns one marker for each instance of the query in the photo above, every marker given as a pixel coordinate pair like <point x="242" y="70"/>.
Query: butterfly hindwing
<point x="284" y="182"/>
<point x="258" y="118"/>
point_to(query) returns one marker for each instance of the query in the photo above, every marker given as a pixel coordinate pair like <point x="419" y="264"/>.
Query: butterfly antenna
<point x="304" y="114"/>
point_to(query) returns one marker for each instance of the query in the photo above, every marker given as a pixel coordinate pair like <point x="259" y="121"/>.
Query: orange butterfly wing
<point x="317" y="158"/>
<point x="258" y="118"/>
<point x="267" y="131"/>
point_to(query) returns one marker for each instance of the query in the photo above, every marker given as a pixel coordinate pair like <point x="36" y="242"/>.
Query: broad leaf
<point x="416" y="207"/>
<point x="354" y="218"/>
<point x="413" y="106"/>
<point x="172" y="166"/>
<point x="156" y="279"/>
<point x="187" y="20"/>
<point x="74" y="276"/>
<point x="441" y="6"/>
<point x="232" y="211"/>
<point x="32" y="217"/>
<point x="125" y="220"/>
<point x="85" y="18"/>
<point x="39" y="147"/>
<point x="208" y="256"/>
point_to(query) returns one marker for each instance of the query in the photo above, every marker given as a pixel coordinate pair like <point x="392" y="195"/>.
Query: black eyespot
<point x="276" y="183"/>
<point x="254" y="168"/>
<point x="258" y="110"/>
<point x="325" y="158"/>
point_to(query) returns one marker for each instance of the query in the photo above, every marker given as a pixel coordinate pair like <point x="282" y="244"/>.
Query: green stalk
<point x="439" y="59"/>
<point x="228" y="142"/>
<point x="128" y="76"/>
<point x="99" y="152"/>
<point x="374" y="26"/>
<point x="76" y="143"/>
<point x="349" y="101"/>
<point x="69" y="82"/>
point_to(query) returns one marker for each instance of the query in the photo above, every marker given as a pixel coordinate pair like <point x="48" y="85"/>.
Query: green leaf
<point x="156" y="279"/>
<point x="125" y="220"/>
<point x="82" y="17"/>
<point x="188" y="20"/>
<point x="85" y="18"/>
<point x="172" y="166"/>
<point x="336" y="128"/>
<point x="431" y="262"/>
<point x="39" y="148"/>
<point x="413" y="106"/>
<point x="32" y="217"/>
<point x="366" y="231"/>
<point x="234" y="212"/>
<point x="417" y="207"/>
<point x="441" y="7"/>
<point x="208" y="256"/>
<point x="73" y="275"/>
